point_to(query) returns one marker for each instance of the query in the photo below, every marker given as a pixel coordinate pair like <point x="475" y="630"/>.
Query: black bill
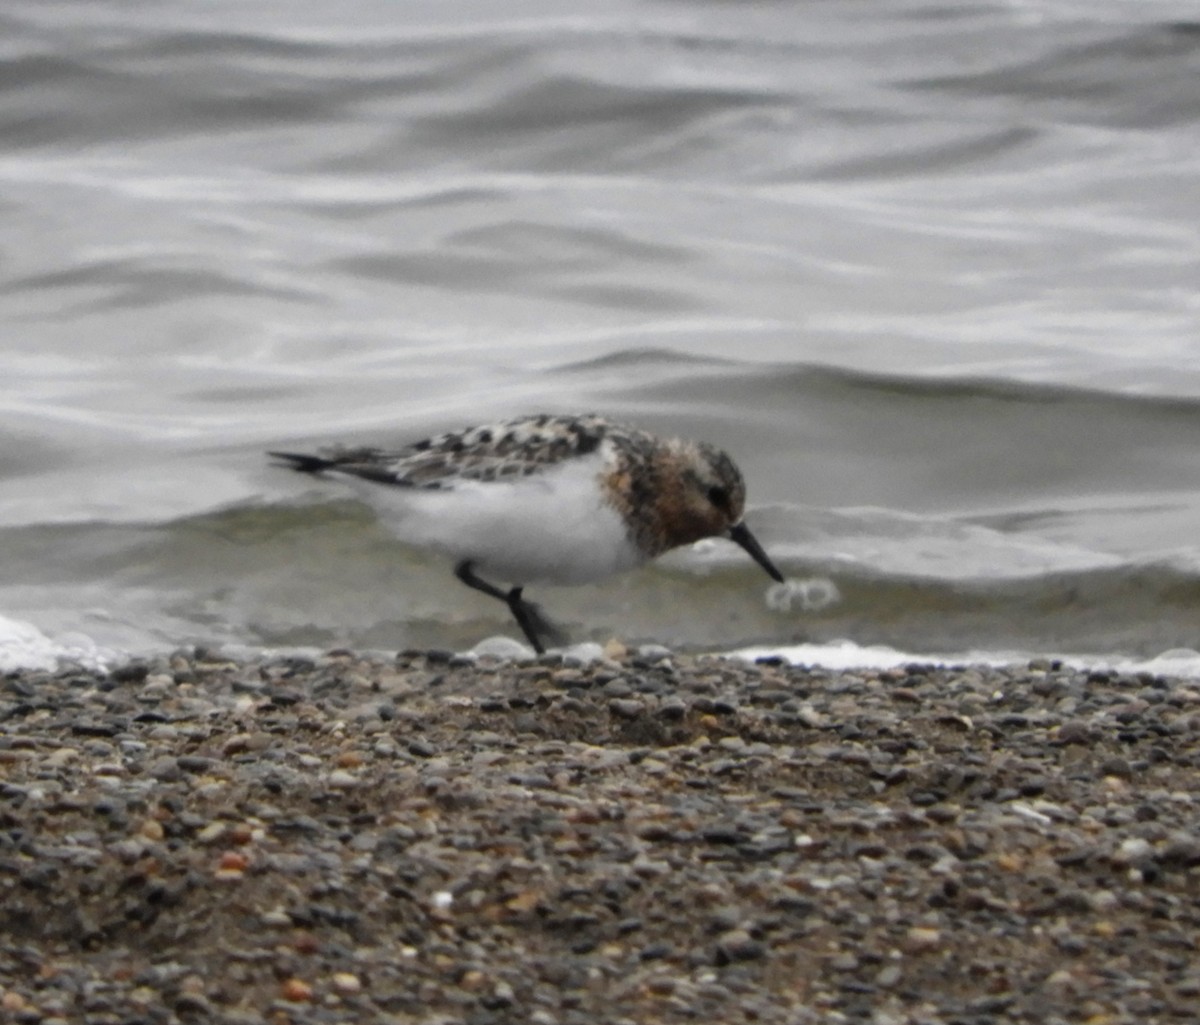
<point x="740" y="533"/>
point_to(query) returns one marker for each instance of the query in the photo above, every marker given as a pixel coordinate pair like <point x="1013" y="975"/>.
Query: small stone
<point x="738" y="945"/>
<point x="1181" y="852"/>
<point x="921" y="938"/>
<point x="244" y="742"/>
<point x="626" y="708"/>
<point x="655" y="951"/>
<point x="241" y="833"/>
<point x="233" y="861"/>
<point x="296" y="991"/>
<point x="888" y="976"/>
<point x="473" y="980"/>
<point x="165" y="770"/>
<point x="810" y="717"/>
<point x="1073" y="732"/>
<point x="1010" y="862"/>
<point x="1116" y="766"/>
<point x="661" y="985"/>
<point x="672" y="710"/>
<point x="615" y="650"/>
<point x="193" y="1004"/>
<point x="13" y="1002"/>
<point x="524" y="902"/>
<point x="346" y="983"/>
<point x="211" y="833"/>
<point x="196" y="763"/>
<point x="151" y="829"/>
<point x="133" y="672"/>
<point x="61" y="757"/>
<point x="1132" y="849"/>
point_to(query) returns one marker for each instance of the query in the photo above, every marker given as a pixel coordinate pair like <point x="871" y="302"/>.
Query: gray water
<point x="928" y="270"/>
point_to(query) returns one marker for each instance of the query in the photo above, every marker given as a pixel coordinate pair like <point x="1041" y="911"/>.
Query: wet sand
<point x="647" y="838"/>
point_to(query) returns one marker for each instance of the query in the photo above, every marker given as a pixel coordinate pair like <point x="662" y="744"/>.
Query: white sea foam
<point x="840" y="655"/>
<point x="24" y="646"/>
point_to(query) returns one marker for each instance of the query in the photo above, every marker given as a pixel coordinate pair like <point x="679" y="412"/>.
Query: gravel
<point x="646" y="837"/>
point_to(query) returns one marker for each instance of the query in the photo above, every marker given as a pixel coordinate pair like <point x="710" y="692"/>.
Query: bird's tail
<point x="302" y="462"/>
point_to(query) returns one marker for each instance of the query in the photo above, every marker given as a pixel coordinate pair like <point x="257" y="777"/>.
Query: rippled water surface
<point x="929" y="270"/>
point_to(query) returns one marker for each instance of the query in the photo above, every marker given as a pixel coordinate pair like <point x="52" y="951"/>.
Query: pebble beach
<point x="643" y="837"/>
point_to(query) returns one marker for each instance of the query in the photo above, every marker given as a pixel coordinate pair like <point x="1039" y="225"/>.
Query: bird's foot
<point x="534" y="622"/>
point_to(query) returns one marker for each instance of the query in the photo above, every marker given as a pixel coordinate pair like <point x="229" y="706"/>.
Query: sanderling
<point x="552" y="499"/>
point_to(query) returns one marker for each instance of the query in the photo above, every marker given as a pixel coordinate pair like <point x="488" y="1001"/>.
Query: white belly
<point x="551" y="528"/>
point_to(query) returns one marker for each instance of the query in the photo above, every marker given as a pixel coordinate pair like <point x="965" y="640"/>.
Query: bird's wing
<point x="503" y="451"/>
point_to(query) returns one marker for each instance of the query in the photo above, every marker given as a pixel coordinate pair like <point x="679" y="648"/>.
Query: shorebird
<point x="547" y="498"/>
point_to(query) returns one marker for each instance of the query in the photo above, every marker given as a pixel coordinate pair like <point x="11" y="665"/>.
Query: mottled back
<point x="503" y="451"/>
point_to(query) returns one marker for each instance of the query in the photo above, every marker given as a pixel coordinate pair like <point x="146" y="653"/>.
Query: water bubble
<point x="810" y="595"/>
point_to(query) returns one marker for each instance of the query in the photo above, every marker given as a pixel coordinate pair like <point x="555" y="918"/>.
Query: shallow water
<point x="927" y="270"/>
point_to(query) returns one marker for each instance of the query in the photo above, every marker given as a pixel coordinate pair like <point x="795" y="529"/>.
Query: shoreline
<point x="654" y="837"/>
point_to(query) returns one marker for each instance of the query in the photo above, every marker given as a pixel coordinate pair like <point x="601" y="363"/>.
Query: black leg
<point x="526" y="616"/>
<point x="529" y="618"/>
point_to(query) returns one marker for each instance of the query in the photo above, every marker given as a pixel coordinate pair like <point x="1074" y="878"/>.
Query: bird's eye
<point x="719" y="497"/>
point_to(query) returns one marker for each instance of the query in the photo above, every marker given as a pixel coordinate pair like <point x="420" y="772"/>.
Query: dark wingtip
<point x="300" y="461"/>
